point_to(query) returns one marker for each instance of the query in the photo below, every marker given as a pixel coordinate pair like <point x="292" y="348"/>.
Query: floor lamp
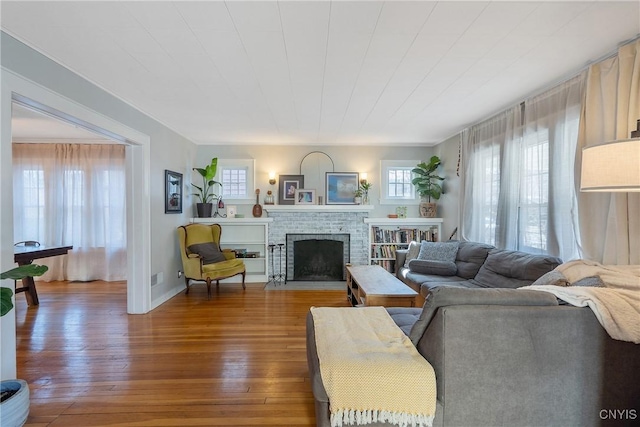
<point x="613" y="167"/>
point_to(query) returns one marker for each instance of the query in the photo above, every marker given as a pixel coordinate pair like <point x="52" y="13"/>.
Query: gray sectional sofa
<point x="477" y="265"/>
<point x="508" y="357"/>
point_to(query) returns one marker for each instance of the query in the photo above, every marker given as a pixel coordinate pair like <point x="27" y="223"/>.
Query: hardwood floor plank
<point x="237" y="359"/>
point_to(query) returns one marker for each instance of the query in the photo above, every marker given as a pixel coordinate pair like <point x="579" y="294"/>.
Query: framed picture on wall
<point x="305" y="197"/>
<point x="341" y="187"/>
<point x="172" y="192"/>
<point x="288" y="184"/>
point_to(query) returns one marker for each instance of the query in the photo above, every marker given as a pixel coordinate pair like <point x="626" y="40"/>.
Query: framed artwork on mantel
<point x="341" y="187"/>
<point x="305" y="197"/>
<point x="288" y="184"/>
<point x="172" y="192"/>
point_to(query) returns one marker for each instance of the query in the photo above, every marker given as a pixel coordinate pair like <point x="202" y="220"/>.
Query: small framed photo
<point x="232" y="210"/>
<point x="305" y="197"/>
<point x="172" y="192"/>
<point x="288" y="184"/>
<point x="341" y="187"/>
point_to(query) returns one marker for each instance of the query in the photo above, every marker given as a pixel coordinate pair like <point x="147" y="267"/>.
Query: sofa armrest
<point x="401" y="256"/>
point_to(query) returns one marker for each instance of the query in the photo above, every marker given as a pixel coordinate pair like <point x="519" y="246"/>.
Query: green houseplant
<point x="427" y="184"/>
<point x="14" y="400"/>
<point x="205" y="193"/>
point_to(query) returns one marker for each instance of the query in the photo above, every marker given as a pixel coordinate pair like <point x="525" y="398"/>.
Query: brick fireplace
<point x="319" y="221"/>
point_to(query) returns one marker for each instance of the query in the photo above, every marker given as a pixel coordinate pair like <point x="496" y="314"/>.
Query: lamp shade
<point x="613" y="166"/>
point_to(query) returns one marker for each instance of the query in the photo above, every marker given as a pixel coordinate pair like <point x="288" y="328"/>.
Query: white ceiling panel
<point x="322" y="72"/>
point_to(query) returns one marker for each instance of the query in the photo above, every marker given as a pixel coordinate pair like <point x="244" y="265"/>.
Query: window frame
<point x="385" y="199"/>
<point x="246" y="164"/>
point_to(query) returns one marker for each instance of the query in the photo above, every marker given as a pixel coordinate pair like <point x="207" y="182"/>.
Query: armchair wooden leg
<point x="209" y="287"/>
<point x="244" y="273"/>
<point x="186" y="282"/>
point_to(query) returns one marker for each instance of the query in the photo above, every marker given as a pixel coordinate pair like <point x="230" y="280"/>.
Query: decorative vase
<point x="357" y="200"/>
<point x="15" y="409"/>
<point x="427" y="210"/>
<point x="204" y="210"/>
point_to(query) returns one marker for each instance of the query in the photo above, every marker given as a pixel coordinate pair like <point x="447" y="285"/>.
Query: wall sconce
<point x="272" y="178"/>
<point x="363" y="178"/>
<point x="612" y="166"/>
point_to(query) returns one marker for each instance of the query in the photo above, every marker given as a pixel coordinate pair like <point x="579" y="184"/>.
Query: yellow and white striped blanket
<point x="370" y="369"/>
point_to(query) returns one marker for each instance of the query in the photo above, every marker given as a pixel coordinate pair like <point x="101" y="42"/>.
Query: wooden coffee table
<point x="371" y="285"/>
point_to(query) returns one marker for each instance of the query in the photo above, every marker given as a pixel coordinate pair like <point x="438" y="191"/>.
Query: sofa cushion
<point x="209" y="252"/>
<point x="438" y="251"/>
<point x="404" y="317"/>
<point x="419" y="278"/>
<point x="412" y="252"/>
<point x="440" y="268"/>
<point x="470" y="257"/>
<point x="446" y="296"/>
<point x="513" y="269"/>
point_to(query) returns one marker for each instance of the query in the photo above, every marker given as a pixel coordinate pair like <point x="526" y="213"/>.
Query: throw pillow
<point x="412" y="252"/>
<point x="593" y="281"/>
<point x="439" y="268"/>
<point x="209" y="252"/>
<point x="553" y="277"/>
<point x="439" y="251"/>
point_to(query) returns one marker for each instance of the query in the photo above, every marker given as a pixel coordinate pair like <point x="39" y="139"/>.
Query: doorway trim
<point x="138" y="165"/>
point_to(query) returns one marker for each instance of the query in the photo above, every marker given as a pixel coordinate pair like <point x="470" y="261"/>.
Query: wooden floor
<point x="235" y="360"/>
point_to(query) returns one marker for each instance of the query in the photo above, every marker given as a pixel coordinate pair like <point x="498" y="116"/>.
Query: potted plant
<point x="426" y="183"/>
<point x="205" y="192"/>
<point x="14" y="394"/>
<point x="357" y="196"/>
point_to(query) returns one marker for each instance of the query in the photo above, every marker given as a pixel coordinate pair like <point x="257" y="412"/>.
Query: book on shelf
<point x="403" y="235"/>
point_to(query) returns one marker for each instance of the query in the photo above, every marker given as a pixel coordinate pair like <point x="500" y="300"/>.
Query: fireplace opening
<point x="317" y="257"/>
<point x="317" y="260"/>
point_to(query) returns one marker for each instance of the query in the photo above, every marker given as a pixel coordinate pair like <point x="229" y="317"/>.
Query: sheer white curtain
<point x="483" y="152"/>
<point x="549" y="220"/>
<point x="73" y="194"/>
<point x="611" y="221"/>
<point x="518" y="188"/>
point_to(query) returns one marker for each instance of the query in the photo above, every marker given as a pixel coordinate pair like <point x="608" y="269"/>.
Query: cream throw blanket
<point x="370" y="369"/>
<point x="617" y="305"/>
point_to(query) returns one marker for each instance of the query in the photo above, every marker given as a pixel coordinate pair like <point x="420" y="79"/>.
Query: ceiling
<point x="322" y="72"/>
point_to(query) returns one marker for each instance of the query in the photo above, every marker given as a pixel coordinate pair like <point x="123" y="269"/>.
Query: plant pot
<point x="204" y="210"/>
<point x="357" y="200"/>
<point x="15" y="409"/>
<point x="427" y="210"/>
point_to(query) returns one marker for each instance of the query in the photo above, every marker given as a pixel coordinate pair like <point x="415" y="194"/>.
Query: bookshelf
<point x="386" y="235"/>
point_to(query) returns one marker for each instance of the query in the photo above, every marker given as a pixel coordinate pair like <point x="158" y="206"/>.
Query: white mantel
<point x="318" y="208"/>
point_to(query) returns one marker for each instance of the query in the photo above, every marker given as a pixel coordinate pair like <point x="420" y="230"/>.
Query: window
<point x="395" y="178"/>
<point x="534" y="194"/>
<point x="519" y="183"/>
<point x="236" y="176"/>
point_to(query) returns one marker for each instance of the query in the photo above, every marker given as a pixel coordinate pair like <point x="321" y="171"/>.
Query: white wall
<point x="167" y="150"/>
<point x="285" y="160"/>
<point x="449" y="203"/>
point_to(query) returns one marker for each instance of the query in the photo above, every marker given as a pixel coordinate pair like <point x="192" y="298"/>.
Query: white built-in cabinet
<point x="251" y="234"/>
<point x="386" y="235"/>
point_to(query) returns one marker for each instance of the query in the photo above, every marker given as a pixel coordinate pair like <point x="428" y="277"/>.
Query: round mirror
<point x="313" y="166"/>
